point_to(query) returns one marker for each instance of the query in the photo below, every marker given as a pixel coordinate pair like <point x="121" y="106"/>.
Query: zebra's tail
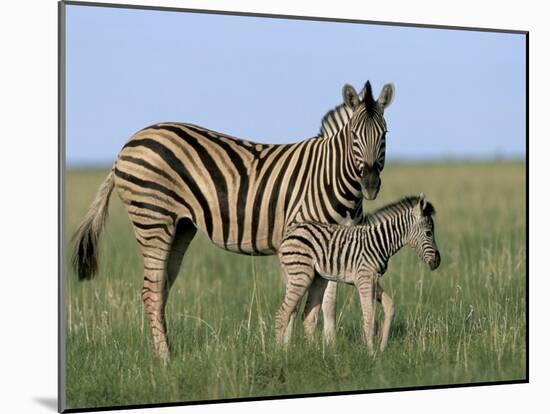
<point x="86" y="238"/>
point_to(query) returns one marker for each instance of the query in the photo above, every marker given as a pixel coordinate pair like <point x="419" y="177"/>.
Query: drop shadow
<point x="48" y="402"/>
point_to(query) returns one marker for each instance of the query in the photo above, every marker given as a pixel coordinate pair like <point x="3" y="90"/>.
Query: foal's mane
<point x="395" y="208"/>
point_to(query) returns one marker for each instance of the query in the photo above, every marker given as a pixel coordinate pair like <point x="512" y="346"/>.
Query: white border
<point x="28" y="96"/>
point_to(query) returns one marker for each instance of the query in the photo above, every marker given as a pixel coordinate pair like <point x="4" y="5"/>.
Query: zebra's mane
<point x="335" y="120"/>
<point x="391" y="210"/>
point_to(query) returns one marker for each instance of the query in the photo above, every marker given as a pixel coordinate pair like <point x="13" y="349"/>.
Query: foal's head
<point x="422" y="233"/>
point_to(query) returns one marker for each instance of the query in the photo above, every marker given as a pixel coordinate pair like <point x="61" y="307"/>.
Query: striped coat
<point x="175" y="179"/>
<point x="313" y="253"/>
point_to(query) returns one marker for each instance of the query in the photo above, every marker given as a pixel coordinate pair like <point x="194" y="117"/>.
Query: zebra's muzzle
<point x="435" y="262"/>
<point x="370" y="182"/>
<point x="370" y="195"/>
<point x="371" y="188"/>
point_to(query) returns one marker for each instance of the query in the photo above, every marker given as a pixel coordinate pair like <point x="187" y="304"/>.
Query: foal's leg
<point x="313" y="304"/>
<point x="387" y="304"/>
<point x="290" y="326"/>
<point x="329" y="311"/>
<point x="365" y="285"/>
<point x="298" y="281"/>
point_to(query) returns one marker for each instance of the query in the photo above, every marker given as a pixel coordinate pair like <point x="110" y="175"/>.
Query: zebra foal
<point x="312" y="253"/>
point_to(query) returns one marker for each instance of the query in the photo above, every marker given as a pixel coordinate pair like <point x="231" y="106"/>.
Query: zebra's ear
<point x="350" y="96"/>
<point x="425" y="208"/>
<point x="419" y="207"/>
<point x="428" y="209"/>
<point x="422" y="201"/>
<point x="386" y="96"/>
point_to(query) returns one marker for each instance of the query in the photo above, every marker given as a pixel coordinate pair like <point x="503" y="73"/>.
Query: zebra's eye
<point x="429" y="233"/>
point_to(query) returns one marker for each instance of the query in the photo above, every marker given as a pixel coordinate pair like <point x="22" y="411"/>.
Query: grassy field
<point x="465" y="322"/>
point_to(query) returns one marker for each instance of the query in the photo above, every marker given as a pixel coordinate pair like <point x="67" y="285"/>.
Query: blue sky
<point x="459" y="94"/>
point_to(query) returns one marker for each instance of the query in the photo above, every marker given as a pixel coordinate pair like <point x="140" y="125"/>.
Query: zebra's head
<point x="422" y="233"/>
<point x="367" y="130"/>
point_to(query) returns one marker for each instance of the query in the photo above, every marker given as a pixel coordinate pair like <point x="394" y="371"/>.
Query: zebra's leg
<point x="298" y="281"/>
<point x="365" y="285"/>
<point x="329" y="312"/>
<point x="313" y="305"/>
<point x="154" y="295"/>
<point x="387" y="304"/>
<point x="155" y="240"/>
<point x="157" y="283"/>
<point x="290" y="326"/>
<point x="185" y="231"/>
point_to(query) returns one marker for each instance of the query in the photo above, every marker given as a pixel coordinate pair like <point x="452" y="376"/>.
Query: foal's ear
<point x="425" y="208"/>
<point x="422" y="201"/>
<point x="428" y="209"/>
<point x="351" y="99"/>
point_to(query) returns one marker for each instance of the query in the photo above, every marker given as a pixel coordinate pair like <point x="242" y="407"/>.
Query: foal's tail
<point x="87" y="235"/>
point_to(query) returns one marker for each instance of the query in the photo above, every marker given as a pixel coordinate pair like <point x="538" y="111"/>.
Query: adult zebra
<point x="176" y="178"/>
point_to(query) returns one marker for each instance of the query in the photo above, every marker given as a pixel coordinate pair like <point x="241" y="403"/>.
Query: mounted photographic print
<point x="258" y="207"/>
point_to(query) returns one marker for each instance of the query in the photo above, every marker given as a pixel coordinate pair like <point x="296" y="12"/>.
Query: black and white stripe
<point x="319" y="252"/>
<point x="177" y="178"/>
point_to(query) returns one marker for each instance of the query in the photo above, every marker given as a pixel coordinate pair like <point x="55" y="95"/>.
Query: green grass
<point x="465" y="322"/>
